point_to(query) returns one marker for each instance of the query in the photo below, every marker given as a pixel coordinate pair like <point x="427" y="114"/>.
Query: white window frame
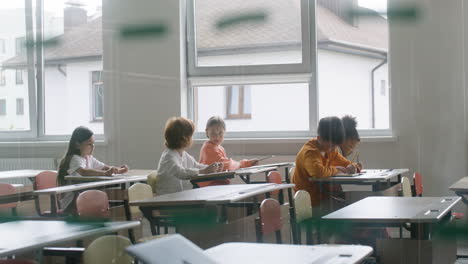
<point x="267" y="74"/>
<point x="35" y="80"/>
<point x="303" y="72"/>
<point x="93" y="97"/>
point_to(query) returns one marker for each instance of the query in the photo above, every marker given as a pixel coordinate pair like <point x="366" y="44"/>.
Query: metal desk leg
<point x="53" y="205"/>
<point x="128" y="215"/>
<point x="148" y="213"/>
<point x="420" y="231"/>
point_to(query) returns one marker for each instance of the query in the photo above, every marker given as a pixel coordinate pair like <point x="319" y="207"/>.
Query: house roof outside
<point x="282" y="27"/>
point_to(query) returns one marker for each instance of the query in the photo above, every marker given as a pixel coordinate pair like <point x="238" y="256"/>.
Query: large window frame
<point x="35" y="79"/>
<point x="265" y="74"/>
<point x="256" y="74"/>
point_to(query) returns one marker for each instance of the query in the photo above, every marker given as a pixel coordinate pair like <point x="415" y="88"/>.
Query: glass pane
<point x="274" y="107"/>
<point x="70" y="60"/>
<point x="350" y="76"/>
<point x="255" y="32"/>
<point x="247" y="100"/>
<point x="234" y="100"/>
<point x="13" y="76"/>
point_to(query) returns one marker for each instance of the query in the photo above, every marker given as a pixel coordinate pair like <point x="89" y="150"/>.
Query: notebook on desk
<point x="347" y="174"/>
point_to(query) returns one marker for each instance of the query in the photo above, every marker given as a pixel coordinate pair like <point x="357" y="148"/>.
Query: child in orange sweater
<point x="212" y="151"/>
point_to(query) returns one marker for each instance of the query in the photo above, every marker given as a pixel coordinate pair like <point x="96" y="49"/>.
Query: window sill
<point x="228" y="141"/>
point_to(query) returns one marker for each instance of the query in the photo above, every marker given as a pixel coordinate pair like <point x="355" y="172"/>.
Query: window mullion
<point x="40" y="67"/>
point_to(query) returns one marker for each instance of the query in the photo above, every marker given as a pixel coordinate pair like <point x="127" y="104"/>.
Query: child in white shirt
<point x="176" y="166"/>
<point x="79" y="160"/>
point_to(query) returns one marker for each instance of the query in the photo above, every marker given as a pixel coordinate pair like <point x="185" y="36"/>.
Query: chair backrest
<point x="45" y="179"/>
<point x="418" y="185"/>
<point x="406" y="187"/>
<point x="139" y="191"/>
<point x="108" y="249"/>
<point x="6" y="189"/>
<point x="92" y="204"/>
<point x="152" y="180"/>
<point x="270" y="216"/>
<point x="302" y="206"/>
<point x="274" y="177"/>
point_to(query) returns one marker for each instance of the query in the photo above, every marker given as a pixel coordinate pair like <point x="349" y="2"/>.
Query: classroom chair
<point x="275" y="177"/>
<point x="418" y="191"/>
<point x="142" y="191"/>
<point x="269" y="220"/>
<point x="152" y="180"/>
<point x="93" y="204"/>
<point x="406" y="187"/>
<point x="301" y="216"/>
<point x="45" y="180"/>
<point x="108" y="249"/>
<point x="7" y="189"/>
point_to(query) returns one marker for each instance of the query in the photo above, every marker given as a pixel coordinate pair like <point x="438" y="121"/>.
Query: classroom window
<point x="19" y="106"/>
<point x="20" y="46"/>
<point x="238" y="102"/>
<point x="61" y="80"/>
<point x="19" y="76"/>
<point x="97" y="87"/>
<point x="2" y="107"/>
<point x="236" y="67"/>
<point x="2" y="46"/>
<point x="272" y="113"/>
<point x="358" y="54"/>
<point x="2" y="78"/>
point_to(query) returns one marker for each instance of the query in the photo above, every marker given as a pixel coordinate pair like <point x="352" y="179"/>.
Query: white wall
<point x="145" y="80"/>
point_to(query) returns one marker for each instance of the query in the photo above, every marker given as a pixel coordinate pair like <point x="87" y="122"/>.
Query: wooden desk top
<point x="19" y="174"/>
<point x="220" y="194"/>
<point x="22" y="236"/>
<point x="249" y="253"/>
<point x="396" y="210"/>
<point x="89" y="185"/>
<point x="460" y="186"/>
<point x="365" y="176"/>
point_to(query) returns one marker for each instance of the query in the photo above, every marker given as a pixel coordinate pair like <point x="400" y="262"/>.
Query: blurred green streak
<point x="148" y="30"/>
<point x="228" y="21"/>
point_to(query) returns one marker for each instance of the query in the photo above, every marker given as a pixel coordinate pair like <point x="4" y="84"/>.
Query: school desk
<point x="178" y="249"/>
<point x="461" y="188"/>
<point x="122" y="183"/>
<point x="251" y="253"/>
<point x="19" y="174"/>
<point x="26" y="236"/>
<point x="425" y="216"/>
<point x="211" y="202"/>
<point x="246" y="173"/>
<point x="211" y="177"/>
<point x="130" y="173"/>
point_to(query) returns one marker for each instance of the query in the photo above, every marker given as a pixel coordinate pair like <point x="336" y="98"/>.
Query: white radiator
<point x="26" y="164"/>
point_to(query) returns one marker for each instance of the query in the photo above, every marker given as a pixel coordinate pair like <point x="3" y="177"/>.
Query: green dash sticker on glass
<point x="396" y="12"/>
<point x="143" y="31"/>
<point x="45" y="43"/>
<point x="239" y="19"/>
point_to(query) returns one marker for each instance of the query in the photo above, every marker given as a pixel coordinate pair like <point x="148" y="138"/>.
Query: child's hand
<point x="341" y="169"/>
<point x="351" y="169"/>
<point x="254" y="162"/>
<point x="111" y="171"/>
<point x="213" y="167"/>
<point x="359" y="166"/>
<point x="123" y="169"/>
